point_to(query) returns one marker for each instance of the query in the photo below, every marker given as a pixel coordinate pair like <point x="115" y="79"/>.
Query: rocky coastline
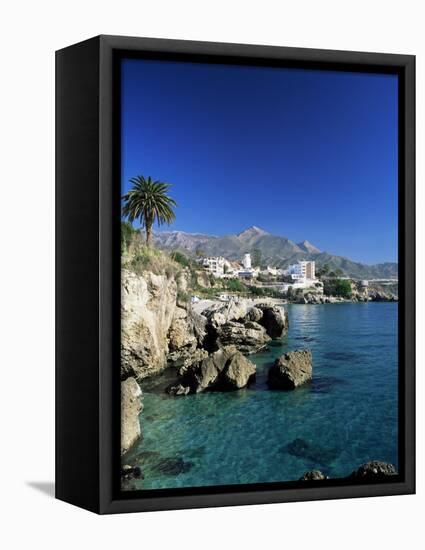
<point x="318" y="298"/>
<point x="158" y="330"/>
<point x="207" y="346"/>
<point x="373" y="471"/>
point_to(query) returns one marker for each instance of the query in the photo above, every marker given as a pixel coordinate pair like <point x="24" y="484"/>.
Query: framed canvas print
<point x="235" y="274"/>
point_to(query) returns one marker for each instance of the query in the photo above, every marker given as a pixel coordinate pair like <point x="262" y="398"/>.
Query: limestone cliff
<point x="131" y="406"/>
<point x="148" y="306"/>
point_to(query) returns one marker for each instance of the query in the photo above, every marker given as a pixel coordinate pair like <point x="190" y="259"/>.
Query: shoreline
<point x="203" y="304"/>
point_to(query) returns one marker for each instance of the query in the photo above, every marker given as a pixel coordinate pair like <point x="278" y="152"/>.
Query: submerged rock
<point x="374" y="470"/>
<point x="172" y="466"/>
<point x="315" y="453"/>
<point x="313" y="475"/>
<point x="291" y="370"/>
<point x="131" y="406"/>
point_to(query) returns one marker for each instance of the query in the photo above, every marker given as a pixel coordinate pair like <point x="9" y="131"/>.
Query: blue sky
<point x="301" y="153"/>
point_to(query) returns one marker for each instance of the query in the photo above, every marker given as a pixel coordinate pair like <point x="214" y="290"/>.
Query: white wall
<point x="30" y="32"/>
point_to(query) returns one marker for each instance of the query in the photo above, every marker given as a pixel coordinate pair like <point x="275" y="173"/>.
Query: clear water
<point x="345" y="417"/>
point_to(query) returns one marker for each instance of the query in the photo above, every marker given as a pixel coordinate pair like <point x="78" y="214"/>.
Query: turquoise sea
<point x="345" y="417"/>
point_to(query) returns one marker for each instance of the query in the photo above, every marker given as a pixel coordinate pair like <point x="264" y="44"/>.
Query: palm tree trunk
<point x="148" y="234"/>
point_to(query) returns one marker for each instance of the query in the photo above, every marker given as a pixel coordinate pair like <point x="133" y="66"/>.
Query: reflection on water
<point x="346" y="416"/>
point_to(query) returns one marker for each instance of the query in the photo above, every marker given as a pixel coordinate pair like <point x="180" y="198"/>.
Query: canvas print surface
<point x="259" y="275"/>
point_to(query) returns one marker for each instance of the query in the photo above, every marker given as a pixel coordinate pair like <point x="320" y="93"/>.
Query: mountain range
<point x="275" y="250"/>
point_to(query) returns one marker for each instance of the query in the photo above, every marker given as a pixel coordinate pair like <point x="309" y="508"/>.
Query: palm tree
<point x="148" y="201"/>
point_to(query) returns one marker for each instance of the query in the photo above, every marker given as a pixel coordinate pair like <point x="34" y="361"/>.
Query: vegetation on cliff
<point x="337" y="287"/>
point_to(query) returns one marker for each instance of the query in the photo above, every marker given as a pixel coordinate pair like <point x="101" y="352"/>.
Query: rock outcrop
<point x="131" y="472"/>
<point x="225" y="369"/>
<point x="380" y="296"/>
<point x="178" y="389"/>
<point x="374" y="470"/>
<point x="182" y="341"/>
<point x="148" y="306"/>
<point x="291" y="370"/>
<point x="237" y="372"/>
<point x="249" y="337"/>
<point x="274" y="320"/>
<point x="313" y="475"/>
<point x="185" y="338"/>
<point x="220" y="314"/>
<point x="243" y="325"/>
<point x="131" y="406"/>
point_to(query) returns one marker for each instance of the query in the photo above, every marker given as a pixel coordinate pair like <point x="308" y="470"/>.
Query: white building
<point x="247" y="272"/>
<point x="214" y="265"/>
<point x="303" y="271"/>
<point x="247" y="261"/>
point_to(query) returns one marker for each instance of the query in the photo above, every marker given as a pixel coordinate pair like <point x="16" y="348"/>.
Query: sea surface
<point x="346" y="416"/>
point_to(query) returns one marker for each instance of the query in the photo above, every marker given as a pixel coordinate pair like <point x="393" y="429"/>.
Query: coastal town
<point x="299" y="282"/>
<point x="299" y="275"/>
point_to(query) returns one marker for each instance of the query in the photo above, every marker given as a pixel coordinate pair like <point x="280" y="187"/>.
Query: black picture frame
<point x="88" y="273"/>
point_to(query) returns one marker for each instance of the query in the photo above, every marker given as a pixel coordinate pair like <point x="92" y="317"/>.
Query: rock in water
<point x="238" y="372"/>
<point x="178" y="389"/>
<point x="374" y="470"/>
<point x="317" y="454"/>
<point x="131" y="406"/>
<point x="247" y="327"/>
<point x="173" y="466"/>
<point x="226" y="368"/>
<point x="131" y="472"/>
<point x="274" y="320"/>
<point x="314" y="475"/>
<point x="291" y="370"/>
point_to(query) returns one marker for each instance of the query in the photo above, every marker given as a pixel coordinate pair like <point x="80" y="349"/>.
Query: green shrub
<point x="337" y="287"/>
<point x="181" y="259"/>
<point x="127" y="235"/>
<point x="155" y="261"/>
<point x="257" y="291"/>
<point x="234" y="285"/>
<point x="182" y="296"/>
<point x="268" y="292"/>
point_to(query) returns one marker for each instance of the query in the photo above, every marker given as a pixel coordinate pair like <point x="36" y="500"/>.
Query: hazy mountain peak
<point x="308" y="247"/>
<point x="253" y="231"/>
